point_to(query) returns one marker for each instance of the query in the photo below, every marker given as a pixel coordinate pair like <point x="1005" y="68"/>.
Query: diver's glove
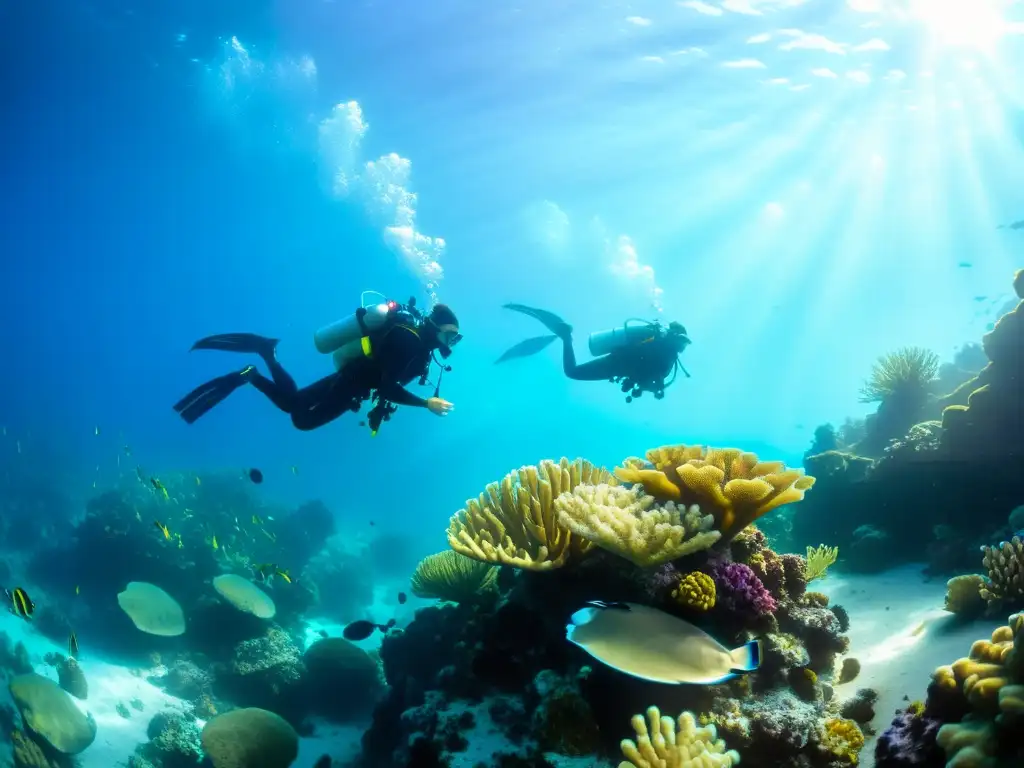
<point x="439" y="407"/>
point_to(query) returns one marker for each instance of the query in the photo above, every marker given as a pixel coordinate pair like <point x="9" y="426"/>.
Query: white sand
<point x="900" y="634"/>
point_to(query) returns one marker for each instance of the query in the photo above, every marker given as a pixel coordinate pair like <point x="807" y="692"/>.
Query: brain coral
<point x="250" y="738"/>
<point x="152" y="610"/>
<point x="245" y="595"/>
<point x="50" y="713"/>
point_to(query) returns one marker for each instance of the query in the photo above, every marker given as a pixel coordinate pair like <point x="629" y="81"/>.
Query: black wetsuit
<point x="399" y="356"/>
<point x="647" y="364"/>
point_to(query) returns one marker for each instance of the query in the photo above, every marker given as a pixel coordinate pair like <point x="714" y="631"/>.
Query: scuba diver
<point x="377" y="351"/>
<point x="639" y="355"/>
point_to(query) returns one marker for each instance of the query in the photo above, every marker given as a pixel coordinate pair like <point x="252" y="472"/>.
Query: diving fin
<point x="551" y="321"/>
<point x="239" y="342"/>
<point x="526" y="348"/>
<point x="204" y="397"/>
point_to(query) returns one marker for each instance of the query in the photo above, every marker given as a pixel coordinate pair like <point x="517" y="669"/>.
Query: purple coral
<point x="740" y="591"/>
<point x="910" y="741"/>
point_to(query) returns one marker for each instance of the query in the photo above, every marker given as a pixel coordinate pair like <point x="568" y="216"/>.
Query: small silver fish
<point x="652" y="645"/>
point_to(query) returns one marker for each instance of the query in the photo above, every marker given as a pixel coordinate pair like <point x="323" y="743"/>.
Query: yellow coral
<point x="963" y="595"/>
<point x="688" y="746"/>
<point x="622" y="520"/>
<point x="514" y="522"/>
<point x="986" y="669"/>
<point x="818" y="561"/>
<point x="732" y="485"/>
<point x="843" y="738"/>
<point x="451" y="576"/>
<point x="695" y="590"/>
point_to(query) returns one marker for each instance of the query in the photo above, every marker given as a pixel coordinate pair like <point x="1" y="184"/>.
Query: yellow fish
<point x="21" y="603"/>
<point x="284" y="575"/>
<point x="181" y="544"/>
<point x="78" y="590"/>
<point x="257" y="520"/>
<point x="163" y="529"/>
<point x="160" y="488"/>
<point x="213" y="541"/>
<point x="198" y="481"/>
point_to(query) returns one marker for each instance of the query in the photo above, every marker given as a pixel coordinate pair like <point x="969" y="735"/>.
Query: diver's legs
<point x="283" y="396"/>
<point x="325" y="400"/>
<point x="599" y="369"/>
<point x="281" y="377"/>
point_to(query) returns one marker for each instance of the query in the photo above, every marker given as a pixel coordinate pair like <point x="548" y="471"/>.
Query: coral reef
<point x="964" y="595"/>
<point x="504" y="666"/>
<point x="250" y="737"/>
<point x="1004" y="586"/>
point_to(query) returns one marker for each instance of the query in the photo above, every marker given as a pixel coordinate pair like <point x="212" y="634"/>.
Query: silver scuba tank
<point x="629" y="333"/>
<point x="343" y="338"/>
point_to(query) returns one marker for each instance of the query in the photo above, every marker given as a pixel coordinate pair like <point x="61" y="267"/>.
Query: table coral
<point x="627" y="522"/>
<point x="685" y="746"/>
<point x="452" y="576"/>
<point x="734" y="486"/>
<point x="514" y="522"/>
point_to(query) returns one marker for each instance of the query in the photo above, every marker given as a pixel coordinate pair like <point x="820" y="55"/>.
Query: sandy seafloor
<point x="898" y="631"/>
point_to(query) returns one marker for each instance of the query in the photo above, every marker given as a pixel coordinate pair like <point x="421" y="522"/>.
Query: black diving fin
<point x="238" y="342"/>
<point x="526" y="348"/>
<point x="551" y="321"/>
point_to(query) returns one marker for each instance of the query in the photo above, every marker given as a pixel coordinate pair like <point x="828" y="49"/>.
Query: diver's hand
<point x="439" y="407"/>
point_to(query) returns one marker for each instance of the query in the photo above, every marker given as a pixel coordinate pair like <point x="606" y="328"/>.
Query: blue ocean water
<point x="804" y="185"/>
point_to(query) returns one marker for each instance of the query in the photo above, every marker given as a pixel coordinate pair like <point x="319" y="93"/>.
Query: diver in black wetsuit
<point x="393" y="355"/>
<point x="640" y="356"/>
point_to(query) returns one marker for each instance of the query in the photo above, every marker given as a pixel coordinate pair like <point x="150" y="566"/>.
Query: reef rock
<point x="51" y="714"/>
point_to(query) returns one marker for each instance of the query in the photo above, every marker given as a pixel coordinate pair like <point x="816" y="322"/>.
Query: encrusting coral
<point x="685" y="746"/>
<point x="452" y="576"/>
<point x="732" y="485"/>
<point x="514" y="522"/>
<point x="695" y="590"/>
<point x="1004" y="586"/>
<point x="843" y="738"/>
<point x="621" y="520"/>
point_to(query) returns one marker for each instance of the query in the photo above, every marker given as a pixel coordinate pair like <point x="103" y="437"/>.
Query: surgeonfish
<point x="163" y="529"/>
<point x="652" y="645"/>
<point x="362" y="629"/>
<point x="21" y="604"/>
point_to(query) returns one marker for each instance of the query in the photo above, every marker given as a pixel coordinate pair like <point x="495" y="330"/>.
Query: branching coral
<point x="732" y="485"/>
<point x="1005" y="566"/>
<point x="514" y="522"/>
<point x="626" y="522"/>
<point x="906" y="371"/>
<point x="818" y="561"/>
<point x="695" y="590"/>
<point x="452" y="576"/>
<point x="688" y="746"/>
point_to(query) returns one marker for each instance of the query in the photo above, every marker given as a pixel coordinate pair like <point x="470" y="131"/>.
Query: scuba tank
<point x="633" y="331"/>
<point x="344" y="338"/>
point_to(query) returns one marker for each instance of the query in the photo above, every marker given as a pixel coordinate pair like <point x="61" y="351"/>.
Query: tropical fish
<point x="255" y="475"/>
<point x="138" y="515"/>
<point x="257" y="520"/>
<point x="78" y="589"/>
<point x="362" y="629"/>
<point x="97" y="431"/>
<point x="163" y="529"/>
<point x="181" y="544"/>
<point x="73" y="645"/>
<point x="160" y="488"/>
<point x="295" y="470"/>
<point x="213" y="542"/>
<point x="402" y="598"/>
<point x="198" y="481"/>
<point x="652" y="645"/>
<point x="269" y="535"/>
<point x="21" y="603"/>
<point x="284" y="575"/>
